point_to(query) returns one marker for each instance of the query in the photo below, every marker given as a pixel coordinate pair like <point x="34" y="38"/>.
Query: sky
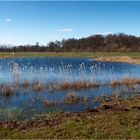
<point x="28" y="22"/>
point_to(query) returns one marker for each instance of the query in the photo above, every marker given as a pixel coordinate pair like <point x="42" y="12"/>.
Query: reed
<point x="125" y="81"/>
<point x="50" y="102"/>
<point x="70" y="98"/>
<point x="52" y="86"/>
<point x="1" y="88"/>
<point x="25" y="84"/>
<point x="36" y="86"/>
<point x="8" y="91"/>
<point x="114" y="83"/>
<point x="128" y="81"/>
<point x="78" y="85"/>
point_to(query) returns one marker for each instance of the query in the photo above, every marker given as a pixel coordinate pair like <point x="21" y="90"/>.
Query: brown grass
<point x="25" y="84"/>
<point x="50" y="102"/>
<point x="36" y="86"/>
<point x="78" y="85"/>
<point x="71" y="98"/>
<point x="125" y="81"/>
<point x="115" y="59"/>
<point x="8" y="90"/>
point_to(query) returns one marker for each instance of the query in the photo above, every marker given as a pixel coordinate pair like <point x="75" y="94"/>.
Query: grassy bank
<point x="113" y="119"/>
<point x="134" y="55"/>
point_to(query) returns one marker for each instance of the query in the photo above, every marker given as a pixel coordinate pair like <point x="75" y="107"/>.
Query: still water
<point x="48" y="69"/>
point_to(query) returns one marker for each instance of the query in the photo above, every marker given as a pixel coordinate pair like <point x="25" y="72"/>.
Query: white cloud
<point x="104" y="33"/>
<point x="8" y="19"/>
<point x="65" y="30"/>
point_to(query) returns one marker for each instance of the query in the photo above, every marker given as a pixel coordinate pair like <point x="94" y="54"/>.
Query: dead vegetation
<point x="124" y="59"/>
<point x="125" y="81"/>
<point x="36" y="86"/>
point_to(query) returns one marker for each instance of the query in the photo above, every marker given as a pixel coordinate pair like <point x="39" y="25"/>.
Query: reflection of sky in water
<point x="62" y="69"/>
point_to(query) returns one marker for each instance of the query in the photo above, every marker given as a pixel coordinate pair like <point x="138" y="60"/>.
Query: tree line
<point x="96" y="43"/>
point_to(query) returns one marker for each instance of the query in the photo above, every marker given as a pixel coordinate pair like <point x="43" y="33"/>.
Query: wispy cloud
<point x="65" y="30"/>
<point x="103" y="33"/>
<point x="8" y="19"/>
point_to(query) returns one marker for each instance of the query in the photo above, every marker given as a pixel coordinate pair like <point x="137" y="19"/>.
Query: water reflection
<point x="14" y="71"/>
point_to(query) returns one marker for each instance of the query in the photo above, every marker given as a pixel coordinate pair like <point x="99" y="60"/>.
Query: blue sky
<point x="29" y="22"/>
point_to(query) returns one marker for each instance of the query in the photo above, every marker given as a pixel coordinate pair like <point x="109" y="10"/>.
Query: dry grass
<point x="125" y="81"/>
<point x="36" y="86"/>
<point x="50" y="102"/>
<point x="52" y="86"/>
<point x="71" y="85"/>
<point x="71" y="98"/>
<point x="8" y="91"/>
<point x="78" y="85"/>
<point x="115" y="59"/>
<point x="25" y="84"/>
<point x="126" y="59"/>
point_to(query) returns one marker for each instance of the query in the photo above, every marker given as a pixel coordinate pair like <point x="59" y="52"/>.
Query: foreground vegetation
<point x="116" y="118"/>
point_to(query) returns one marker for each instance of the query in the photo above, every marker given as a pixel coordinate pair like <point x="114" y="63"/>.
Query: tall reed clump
<point x="52" y="86"/>
<point x="71" y="98"/>
<point x="50" y="102"/>
<point x="78" y="85"/>
<point x="1" y="88"/>
<point x="8" y="91"/>
<point x="114" y="83"/>
<point x="36" y="86"/>
<point x="25" y="84"/>
<point x="125" y="81"/>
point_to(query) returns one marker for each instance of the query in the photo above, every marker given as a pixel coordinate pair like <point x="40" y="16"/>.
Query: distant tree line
<point x="95" y="43"/>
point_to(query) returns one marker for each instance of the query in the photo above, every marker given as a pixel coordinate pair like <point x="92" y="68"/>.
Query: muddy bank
<point x="125" y="59"/>
<point x="115" y="106"/>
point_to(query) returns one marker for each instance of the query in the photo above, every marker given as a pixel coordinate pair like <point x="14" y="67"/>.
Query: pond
<point x="27" y="101"/>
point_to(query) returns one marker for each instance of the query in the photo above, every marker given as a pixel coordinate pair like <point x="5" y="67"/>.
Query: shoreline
<point x="112" y="105"/>
<point x="123" y="59"/>
<point x="131" y="57"/>
<point x="116" y="114"/>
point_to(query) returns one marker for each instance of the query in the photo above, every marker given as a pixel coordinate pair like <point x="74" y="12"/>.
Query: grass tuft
<point x="36" y="86"/>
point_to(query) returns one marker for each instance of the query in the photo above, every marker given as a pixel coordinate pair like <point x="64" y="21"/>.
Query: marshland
<point x="42" y="95"/>
<point x="31" y="86"/>
<point x="69" y="70"/>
